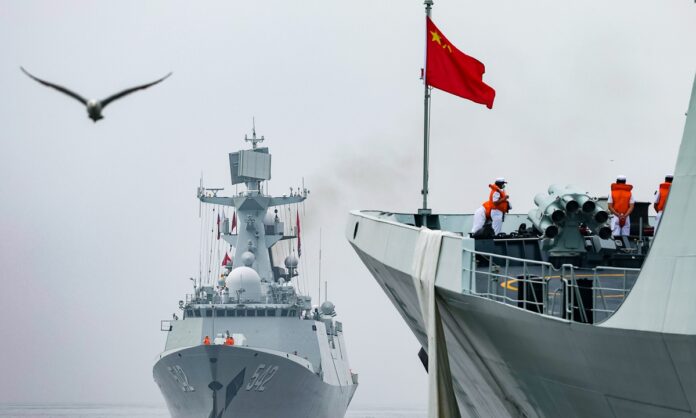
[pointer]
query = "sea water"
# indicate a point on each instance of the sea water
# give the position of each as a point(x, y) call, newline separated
point(153, 411)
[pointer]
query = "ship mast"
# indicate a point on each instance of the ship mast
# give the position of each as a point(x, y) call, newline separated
point(254, 236)
point(254, 140)
point(424, 211)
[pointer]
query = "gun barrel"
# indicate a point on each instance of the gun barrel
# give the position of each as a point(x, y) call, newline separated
point(548, 228)
point(604, 232)
point(544, 223)
point(571, 205)
point(557, 215)
point(600, 216)
point(552, 231)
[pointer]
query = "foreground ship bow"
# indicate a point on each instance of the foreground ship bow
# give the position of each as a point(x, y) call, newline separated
point(558, 320)
point(249, 345)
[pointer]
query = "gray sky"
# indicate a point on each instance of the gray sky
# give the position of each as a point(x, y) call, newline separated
point(99, 223)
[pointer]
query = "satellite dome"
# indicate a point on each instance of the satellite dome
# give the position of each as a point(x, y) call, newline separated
point(328, 308)
point(246, 283)
point(248, 258)
point(269, 218)
point(291, 261)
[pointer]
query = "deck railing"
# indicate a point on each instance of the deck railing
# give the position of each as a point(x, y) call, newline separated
point(588, 295)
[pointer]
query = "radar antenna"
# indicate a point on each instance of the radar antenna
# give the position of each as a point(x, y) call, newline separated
point(254, 140)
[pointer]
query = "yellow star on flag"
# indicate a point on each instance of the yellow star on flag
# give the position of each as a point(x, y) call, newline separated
point(436, 37)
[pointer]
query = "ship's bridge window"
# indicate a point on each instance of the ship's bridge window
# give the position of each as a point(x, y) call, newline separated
point(208, 313)
point(219, 312)
point(197, 313)
point(271, 312)
point(293, 313)
point(241, 312)
point(230, 312)
point(261, 312)
point(189, 313)
point(251, 312)
point(283, 312)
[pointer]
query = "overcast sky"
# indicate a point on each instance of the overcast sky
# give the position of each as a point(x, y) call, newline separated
point(99, 222)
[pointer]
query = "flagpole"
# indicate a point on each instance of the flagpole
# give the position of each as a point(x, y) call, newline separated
point(424, 211)
point(319, 295)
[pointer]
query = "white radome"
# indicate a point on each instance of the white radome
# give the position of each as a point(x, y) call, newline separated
point(248, 258)
point(247, 282)
point(291, 261)
point(328, 308)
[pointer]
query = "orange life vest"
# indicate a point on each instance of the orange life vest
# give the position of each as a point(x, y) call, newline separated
point(621, 196)
point(229, 341)
point(664, 192)
point(206, 340)
point(489, 205)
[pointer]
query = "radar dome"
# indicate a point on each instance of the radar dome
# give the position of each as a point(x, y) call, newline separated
point(246, 283)
point(248, 258)
point(291, 261)
point(328, 308)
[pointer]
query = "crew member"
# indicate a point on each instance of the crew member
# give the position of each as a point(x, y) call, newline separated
point(206, 340)
point(621, 205)
point(661, 198)
point(493, 209)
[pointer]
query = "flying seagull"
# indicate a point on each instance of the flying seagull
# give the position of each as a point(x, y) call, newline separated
point(95, 107)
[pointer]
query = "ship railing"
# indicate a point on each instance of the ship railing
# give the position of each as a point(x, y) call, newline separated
point(579, 294)
point(599, 293)
point(503, 277)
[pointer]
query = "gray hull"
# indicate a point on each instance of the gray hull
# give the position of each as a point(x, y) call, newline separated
point(507, 361)
point(510, 362)
point(226, 381)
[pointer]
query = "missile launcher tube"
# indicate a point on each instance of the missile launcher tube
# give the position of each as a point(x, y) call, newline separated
point(568, 206)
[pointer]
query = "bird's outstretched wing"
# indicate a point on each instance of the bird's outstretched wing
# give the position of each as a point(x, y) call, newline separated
point(130, 90)
point(57, 87)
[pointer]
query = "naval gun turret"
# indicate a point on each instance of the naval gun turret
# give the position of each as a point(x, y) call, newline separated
point(564, 216)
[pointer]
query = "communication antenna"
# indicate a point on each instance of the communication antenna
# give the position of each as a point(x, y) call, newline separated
point(200, 239)
point(319, 298)
point(200, 192)
point(254, 140)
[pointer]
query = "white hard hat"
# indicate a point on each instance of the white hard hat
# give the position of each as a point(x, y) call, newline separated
point(621, 177)
point(500, 180)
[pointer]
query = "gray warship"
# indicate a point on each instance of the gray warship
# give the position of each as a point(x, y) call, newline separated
point(249, 343)
point(554, 317)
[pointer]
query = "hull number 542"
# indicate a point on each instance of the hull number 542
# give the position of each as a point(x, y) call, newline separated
point(261, 377)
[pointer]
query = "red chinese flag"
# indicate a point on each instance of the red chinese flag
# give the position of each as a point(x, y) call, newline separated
point(451, 70)
point(227, 259)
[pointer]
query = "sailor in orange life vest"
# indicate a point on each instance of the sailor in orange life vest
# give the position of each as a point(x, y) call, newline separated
point(661, 198)
point(621, 205)
point(493, 209)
